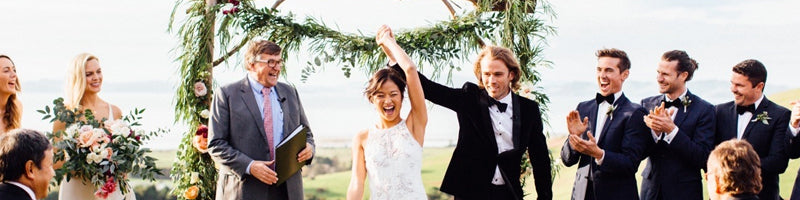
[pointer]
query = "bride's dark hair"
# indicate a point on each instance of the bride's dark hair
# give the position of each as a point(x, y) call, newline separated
point(380, 77)
point(13, 109)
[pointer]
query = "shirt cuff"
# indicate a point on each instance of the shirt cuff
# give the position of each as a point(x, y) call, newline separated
point(248, 167)
point(794, 130)
point(655, 137)
point(671, 135)
point(600, 162)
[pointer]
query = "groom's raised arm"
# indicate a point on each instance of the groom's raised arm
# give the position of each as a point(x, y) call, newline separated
point(219, 130)
point(439, 94)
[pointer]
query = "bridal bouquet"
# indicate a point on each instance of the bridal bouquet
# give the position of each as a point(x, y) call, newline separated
point(101, 152)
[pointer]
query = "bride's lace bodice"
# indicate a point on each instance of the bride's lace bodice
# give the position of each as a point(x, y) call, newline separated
point(394, 162)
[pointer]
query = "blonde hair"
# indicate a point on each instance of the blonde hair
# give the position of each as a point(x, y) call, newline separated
point(502, 54)
point(13, 110)
point(76, 80)
point(740, 167)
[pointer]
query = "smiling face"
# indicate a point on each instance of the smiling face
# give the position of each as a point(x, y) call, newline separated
point(43, 174)
point(94, 76)
point(609, 77)
point(744, 93)
point(8, 77)
point(388, 101)
point(670, 80)
point(495, 77)
point(266, 68)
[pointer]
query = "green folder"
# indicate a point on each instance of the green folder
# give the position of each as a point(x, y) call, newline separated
point(286, 163)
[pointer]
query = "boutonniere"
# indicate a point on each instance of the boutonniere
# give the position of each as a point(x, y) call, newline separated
point(686, 102)
point(763, 117)
point(610, 112)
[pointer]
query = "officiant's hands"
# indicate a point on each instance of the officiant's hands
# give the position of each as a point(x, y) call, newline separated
point(261, 170)
point(305, 154)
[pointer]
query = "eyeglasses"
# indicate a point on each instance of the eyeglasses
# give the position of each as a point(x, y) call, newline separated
point(270, 62)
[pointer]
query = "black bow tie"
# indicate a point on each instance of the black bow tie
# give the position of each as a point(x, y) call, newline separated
point(677, 103)
point(741, 109)
point(501, 106)
point(600, 98)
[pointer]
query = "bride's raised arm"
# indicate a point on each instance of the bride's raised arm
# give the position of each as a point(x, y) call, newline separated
point(418, 116)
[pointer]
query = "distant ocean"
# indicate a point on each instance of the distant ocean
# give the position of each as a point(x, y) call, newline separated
point(336, 114)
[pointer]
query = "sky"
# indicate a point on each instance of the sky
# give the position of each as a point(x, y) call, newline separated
point(138, 58)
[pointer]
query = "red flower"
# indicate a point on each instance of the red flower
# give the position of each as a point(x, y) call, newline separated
point(202, 130)
point(109, 187)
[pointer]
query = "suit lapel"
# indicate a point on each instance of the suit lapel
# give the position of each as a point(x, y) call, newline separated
point(249, 100)
point(282, 92)
point(750, 124)
point(683, 111)
point(516, 118)
point(592, 117)
point(618, 104)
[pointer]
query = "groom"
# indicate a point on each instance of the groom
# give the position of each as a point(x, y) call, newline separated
point(497, 126)
point(753, 117)
point(248, 118)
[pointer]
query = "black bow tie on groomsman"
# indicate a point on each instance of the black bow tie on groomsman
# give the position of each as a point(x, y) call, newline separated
point(741, 109)
point(500, 106)
point(676, 103)
point(600, 98)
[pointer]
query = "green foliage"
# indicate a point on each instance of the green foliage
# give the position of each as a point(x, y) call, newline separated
point(127, 157)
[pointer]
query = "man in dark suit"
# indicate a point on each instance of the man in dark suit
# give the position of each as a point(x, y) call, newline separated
point(733, 172)
point(794, 143)
point(249, 117)
point(496, 127)
point(607, 165)
point(683, 132)
point(26, 165)
point(753, 117)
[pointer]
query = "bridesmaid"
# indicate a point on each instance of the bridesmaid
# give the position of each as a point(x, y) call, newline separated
point(10, 106)
point(84, 81)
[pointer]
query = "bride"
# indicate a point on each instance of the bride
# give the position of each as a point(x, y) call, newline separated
point(390, 152)
point(84, 80)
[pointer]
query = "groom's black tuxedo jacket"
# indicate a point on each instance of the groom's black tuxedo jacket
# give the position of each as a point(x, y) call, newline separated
point(11, 191)
point(624, 138)
point(769, 140)
point(472, 167)
point(673, 170)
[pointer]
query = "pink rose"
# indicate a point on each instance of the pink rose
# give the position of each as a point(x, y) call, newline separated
point(86, 138)
point(110, 152)
point(200, 89)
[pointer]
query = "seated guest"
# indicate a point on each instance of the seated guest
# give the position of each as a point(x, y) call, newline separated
point(26, 165)
point(734, 171)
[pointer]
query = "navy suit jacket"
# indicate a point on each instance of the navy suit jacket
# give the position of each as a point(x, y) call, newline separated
point(475, 158)
point(11, 191)
point(769, 140)
point(624, 138)
point(673, 170)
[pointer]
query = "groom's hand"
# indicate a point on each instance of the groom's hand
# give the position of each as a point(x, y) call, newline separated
point(261, 170)
point(305, 154)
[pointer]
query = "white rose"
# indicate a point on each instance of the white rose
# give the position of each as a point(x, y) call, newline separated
point(200, 89)
point(98, 133)
point(86, 128)
point(72, 130)
point(92, 157)
point(205, 113)
point(195, 177)
point(103, 153)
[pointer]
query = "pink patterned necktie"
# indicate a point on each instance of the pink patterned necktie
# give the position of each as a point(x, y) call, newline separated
point(268, 124)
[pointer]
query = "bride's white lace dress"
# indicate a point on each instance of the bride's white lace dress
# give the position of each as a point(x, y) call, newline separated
point(394, 163)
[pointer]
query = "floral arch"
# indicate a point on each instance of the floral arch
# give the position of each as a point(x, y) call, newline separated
point(225, 26)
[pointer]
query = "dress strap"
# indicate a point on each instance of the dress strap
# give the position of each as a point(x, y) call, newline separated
point(110, 112)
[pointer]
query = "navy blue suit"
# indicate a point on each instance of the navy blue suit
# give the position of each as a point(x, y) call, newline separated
point(769, 140)
point(624, 138)
point(673, 170)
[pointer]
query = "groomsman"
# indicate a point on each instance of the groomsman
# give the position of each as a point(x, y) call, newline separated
point(754, 118)
point(682, 127)
point(794, 143)
point(607, 165)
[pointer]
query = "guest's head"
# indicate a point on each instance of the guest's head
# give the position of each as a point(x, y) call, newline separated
point(263, 62)
point(26, 157)
point(674, 70)
point(385, 91)
point(747, 82)
point(612, 70)
point(8, 94)
point(84, 77)
point(733, 169)
point(497, 70)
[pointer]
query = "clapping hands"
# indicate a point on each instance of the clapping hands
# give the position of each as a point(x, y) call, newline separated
point(576, 129)
point(660, 120)
point(794, 120)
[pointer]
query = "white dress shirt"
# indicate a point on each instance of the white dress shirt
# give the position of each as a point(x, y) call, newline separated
point(503, 126)
point(602, 109)
point(24, 187)
point(744, 119)
point(669, 136)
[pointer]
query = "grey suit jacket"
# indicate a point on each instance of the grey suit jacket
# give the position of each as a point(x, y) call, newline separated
point(237, 137)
